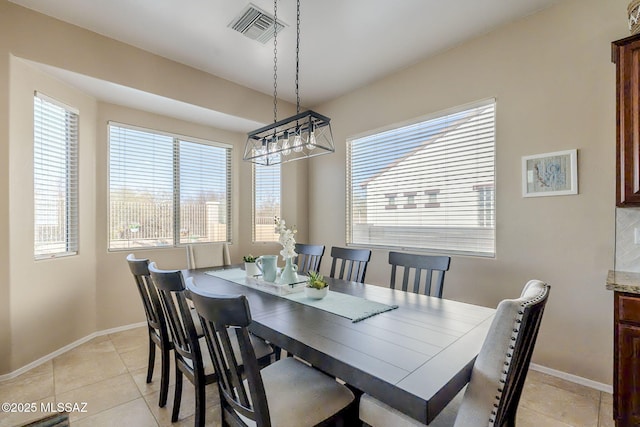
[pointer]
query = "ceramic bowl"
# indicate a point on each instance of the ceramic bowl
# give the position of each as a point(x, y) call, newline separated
point(314, 293)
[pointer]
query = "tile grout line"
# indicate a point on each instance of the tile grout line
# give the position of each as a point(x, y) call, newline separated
point(130, 374)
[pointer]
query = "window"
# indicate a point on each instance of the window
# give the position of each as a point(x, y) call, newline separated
point(485, 203)
point(55, 178)
point(391, 201)
point(444, 166)
point(266, 202)
point(166, 190)
point(411, 200)
point(432, 199)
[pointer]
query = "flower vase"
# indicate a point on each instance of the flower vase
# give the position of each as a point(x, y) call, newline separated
point(289, 274)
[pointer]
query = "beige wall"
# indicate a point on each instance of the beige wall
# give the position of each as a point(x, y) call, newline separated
point(5, 277)
point(52, 302)
point(555, 88)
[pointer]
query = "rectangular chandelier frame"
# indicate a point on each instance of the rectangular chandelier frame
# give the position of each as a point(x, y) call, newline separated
point(304, 135)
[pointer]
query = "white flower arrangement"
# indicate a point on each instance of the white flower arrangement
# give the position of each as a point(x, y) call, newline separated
point(286, 239)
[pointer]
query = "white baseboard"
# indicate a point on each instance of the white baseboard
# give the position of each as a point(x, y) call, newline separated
point(66, 348)
point(563, 375)
point(573, 378)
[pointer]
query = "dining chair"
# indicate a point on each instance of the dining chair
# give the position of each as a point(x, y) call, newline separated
point(309, 257)
point(498, 374)
point(428, 266)
point(203, 255)
point(285, 393)
point(352, 263)
point(156, 324)
point(190, 361)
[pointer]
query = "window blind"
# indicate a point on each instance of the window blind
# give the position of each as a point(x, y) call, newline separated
point(266, 202)
point(166, 190)
point(55, 178)
point(205, 189)
point(427, 185)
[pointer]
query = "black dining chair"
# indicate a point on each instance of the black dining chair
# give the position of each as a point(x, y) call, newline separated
point(351, 263)
point(156, 324)
point(286, 393)
point(309, 257)
point(498, 373)
point(430, 267)
point(191, 358)
point(188, 355)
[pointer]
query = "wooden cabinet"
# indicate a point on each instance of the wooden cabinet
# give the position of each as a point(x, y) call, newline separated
point(626, 375)
point(626, 56)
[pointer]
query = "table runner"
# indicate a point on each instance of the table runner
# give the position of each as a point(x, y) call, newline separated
point(353, 308)
point(239, 276)
point(236, 275)
point(345, 305)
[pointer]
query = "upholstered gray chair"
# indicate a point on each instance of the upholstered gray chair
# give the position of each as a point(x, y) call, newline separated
point(285, 393)
point(203, 255)
point(497, 378)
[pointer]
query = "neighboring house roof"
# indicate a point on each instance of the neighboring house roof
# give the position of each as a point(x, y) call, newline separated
point(436, 136)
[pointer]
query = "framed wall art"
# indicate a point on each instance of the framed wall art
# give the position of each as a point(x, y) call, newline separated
point(550, 174)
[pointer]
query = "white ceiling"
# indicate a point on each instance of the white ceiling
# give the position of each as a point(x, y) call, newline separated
point(345, 44)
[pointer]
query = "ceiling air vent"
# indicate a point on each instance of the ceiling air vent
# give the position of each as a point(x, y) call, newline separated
point(256, 24)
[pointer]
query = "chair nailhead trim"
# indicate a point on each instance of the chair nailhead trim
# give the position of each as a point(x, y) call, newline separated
point(514, 338)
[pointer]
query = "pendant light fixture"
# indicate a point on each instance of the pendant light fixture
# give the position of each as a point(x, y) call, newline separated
point(303, 135)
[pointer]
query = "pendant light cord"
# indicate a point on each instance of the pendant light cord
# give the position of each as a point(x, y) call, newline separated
point(298, 57)
point(275, 61)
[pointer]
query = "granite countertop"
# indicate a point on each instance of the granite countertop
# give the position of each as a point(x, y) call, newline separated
point(623, 281)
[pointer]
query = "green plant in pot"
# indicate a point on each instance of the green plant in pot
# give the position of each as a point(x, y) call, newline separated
point(317, 287)
point(250, 266)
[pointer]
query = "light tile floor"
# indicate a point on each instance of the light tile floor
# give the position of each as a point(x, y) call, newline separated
point(108, 374)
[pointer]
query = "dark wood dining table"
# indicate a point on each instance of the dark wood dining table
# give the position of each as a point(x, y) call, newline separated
point(415, 358)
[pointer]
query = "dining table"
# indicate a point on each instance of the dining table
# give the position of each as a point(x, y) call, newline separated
point(415, 356)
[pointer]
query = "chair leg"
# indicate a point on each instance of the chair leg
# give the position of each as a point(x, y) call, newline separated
point(277, 352)
point(510, 419)
point(152, 359)
point(177, 396)
point(200, 402)
point(164, 379)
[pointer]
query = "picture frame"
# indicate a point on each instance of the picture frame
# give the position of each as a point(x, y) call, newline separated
point(550, 174)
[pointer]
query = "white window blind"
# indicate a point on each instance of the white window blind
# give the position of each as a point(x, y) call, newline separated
point(166, 190)
point(266, 202)
point(205, 179)
point(427, 185)
point(55, 178)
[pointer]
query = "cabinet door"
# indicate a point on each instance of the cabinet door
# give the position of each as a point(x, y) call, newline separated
point(627, 399)
point(626, 55)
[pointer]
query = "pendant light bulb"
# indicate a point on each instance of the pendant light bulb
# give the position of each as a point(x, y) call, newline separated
point(286, 148)
point(297, 143)
point(273, 144)
point(312, 138)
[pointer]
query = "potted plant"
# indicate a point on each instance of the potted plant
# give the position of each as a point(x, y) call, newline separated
point(317, 287)
point(250, 266)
